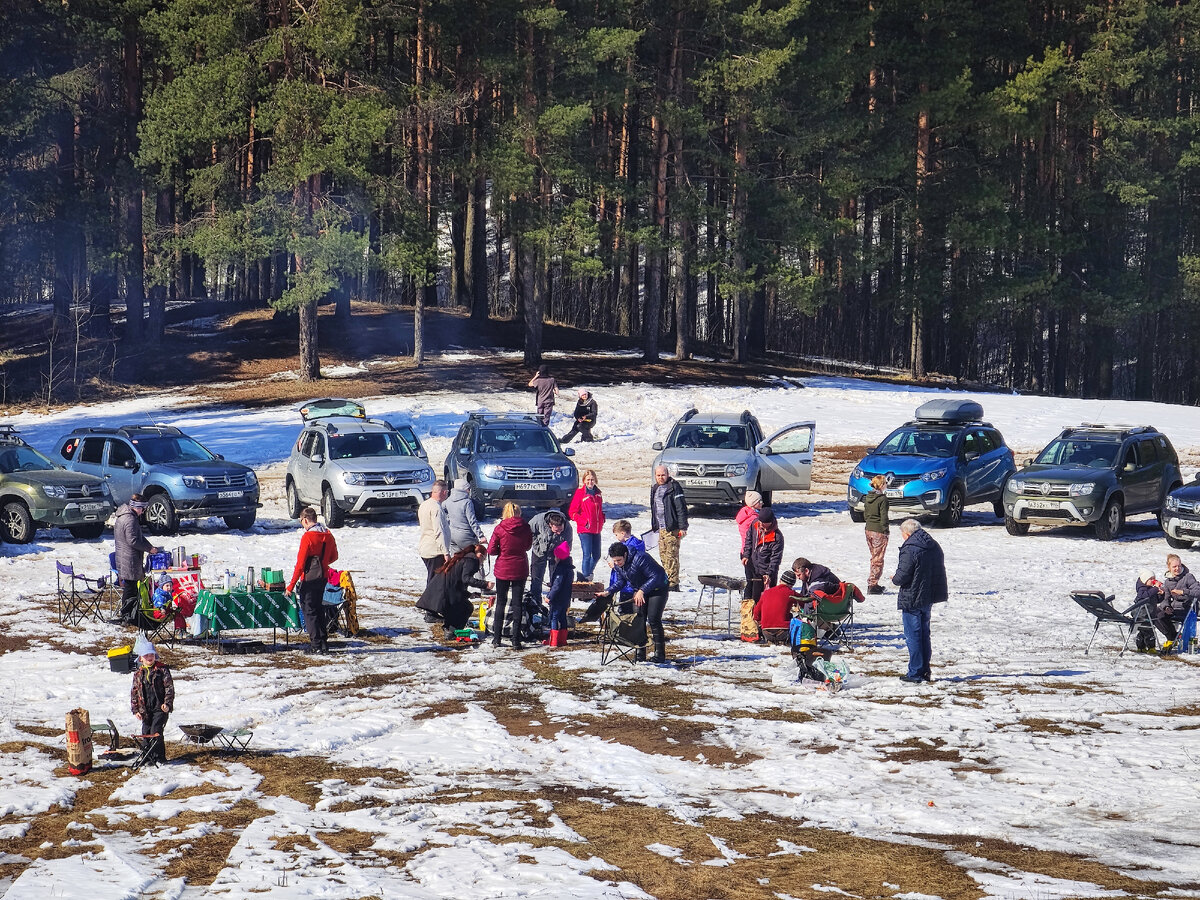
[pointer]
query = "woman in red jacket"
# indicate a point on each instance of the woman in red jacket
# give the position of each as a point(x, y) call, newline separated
point(587, 512)
point(510, 544)
point(318, 551)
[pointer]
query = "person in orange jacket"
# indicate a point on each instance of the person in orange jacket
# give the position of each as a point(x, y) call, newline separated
point(318, 551)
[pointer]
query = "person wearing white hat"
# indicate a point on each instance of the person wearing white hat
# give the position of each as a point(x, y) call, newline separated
point(1148, 592)
point(152, 696)
point(585, 418)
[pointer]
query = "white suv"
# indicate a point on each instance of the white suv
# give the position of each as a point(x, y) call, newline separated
point(354, 466)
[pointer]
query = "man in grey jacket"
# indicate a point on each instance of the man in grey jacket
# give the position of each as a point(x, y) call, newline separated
point(549, 529)
point(460, 511)
point(132, 547)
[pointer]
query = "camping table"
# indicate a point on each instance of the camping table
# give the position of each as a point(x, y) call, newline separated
point(243, 610)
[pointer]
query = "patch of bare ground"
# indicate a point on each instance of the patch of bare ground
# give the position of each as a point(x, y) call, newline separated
point(200, 859)
point(448, 708)
point(565, 680)
point(796, 716)
point(1054, 864)
point(919, 750)
point(358, 846)
point(1054, 726)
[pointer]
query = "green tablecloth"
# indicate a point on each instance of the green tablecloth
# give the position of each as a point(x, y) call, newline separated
point(241, 610)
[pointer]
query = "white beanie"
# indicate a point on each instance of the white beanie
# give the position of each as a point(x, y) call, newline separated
point(752, 497)
point(143, 647)
point(1146, 576)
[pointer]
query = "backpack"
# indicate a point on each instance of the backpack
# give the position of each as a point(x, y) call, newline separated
point(314, 570)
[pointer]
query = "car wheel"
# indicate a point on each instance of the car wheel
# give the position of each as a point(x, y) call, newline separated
point(160, 515)
point(88, 532)
point(857, 516)
point(241, 523)
point(998, 508)
point(1177, 543)
point(1108, 526)
point(17, 523)
point(952, 514)
point(335, 516)
point(294, 505)
point(1015, 528)
point(766, 495)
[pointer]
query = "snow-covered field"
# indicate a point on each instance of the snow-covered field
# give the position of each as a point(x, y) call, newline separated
point(444, 764)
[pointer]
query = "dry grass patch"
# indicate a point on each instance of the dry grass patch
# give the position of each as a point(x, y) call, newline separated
point(918, 750)
point(680, 738)
point(1054, 726)
point(201, 859)
point(775, 714)
point(448, 708)
point(565, 680)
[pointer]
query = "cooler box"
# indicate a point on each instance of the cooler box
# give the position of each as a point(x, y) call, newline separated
point(120, 659)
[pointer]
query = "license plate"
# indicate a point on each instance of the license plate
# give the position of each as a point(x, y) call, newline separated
point(390, 495)
point(91, 507)
point(700, 482)
point(529, 486)
point(894, 493)
point(1189, 527)
point(1042, 504)
point(228, 495)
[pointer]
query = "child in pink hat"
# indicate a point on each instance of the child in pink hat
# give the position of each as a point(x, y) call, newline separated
point(558, 598)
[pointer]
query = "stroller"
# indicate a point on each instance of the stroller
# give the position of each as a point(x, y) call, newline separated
point(814, 656)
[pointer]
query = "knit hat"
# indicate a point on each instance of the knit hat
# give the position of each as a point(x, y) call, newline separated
point(461, 484)
point(143, 647)
point(138, 505)
point(753, 498)
point(562, 551)
point(583, 394)
point(788, 577)
point(1145, 576)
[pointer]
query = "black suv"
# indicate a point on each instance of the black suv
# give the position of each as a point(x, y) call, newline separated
point(1093, 475)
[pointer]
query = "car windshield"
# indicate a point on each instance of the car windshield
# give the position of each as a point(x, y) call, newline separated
point(357, 446)
point(711, 437)
point(919, 442)
point(1079, 452)
point(531, 441)
point(23, 459)
point(171, 449)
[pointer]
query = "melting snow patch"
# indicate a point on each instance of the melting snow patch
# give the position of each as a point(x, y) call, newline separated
point(728, 854)
point(99, 877)
point(830, 889)
point(787, 848)
point(669, 852)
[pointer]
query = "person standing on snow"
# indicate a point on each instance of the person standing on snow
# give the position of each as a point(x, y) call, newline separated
point(875, 514)
point(131, 547)
point(433, 536)
point(549, 529)
point(511, 540)
point(546, 389)
point(585, 418)
point(746, 516)
point(762, 554)
point(668, 516)
point(152, 696)
point(318, 551)
point(587, 512)
point(460, 516)
point(921, 577)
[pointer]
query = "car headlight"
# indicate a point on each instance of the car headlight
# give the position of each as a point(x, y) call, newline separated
point(55, 491)
point(1017, 487)
point(354, 478)
point(193, 481)
point(735, 471)
point(251, 479)
point(563, 472)
point(935, 475)
point(1172, 502)
point(672, 469)
point(1083, 489)
point(427, 475)
point(858, 473)
point(491, 470)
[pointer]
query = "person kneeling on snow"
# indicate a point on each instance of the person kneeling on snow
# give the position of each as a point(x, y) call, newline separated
point(773, 612)
point(152, 696)
point(447, 596)
point(558, 598)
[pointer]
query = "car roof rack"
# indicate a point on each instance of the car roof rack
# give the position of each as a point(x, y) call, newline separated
point(10, 435)
point(1097, 426)
point(330, 407)
point(949, 411)
point(484, 416)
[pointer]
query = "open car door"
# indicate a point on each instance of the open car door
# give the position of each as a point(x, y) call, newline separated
point(410, 438)
point(785, 458)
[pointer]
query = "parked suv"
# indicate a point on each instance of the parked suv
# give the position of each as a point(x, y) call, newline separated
point(510, 456)
point(1181, 515)
point(351, 465)
point(945, 459)
point(1093, 475)
point(179, 477)
point(36, 492)
point(717, 457)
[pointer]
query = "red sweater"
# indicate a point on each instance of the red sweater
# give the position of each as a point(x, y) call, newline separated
point(316, 541)
point(773, 608)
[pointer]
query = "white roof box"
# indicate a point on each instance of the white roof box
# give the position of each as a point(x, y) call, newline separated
point(950, 410)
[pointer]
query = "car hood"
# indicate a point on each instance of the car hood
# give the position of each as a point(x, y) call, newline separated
point(517, 461)
point(1187, 492)
point(1061, 474)
point(380, 464)
point(58, 476)
point(207, 468)
point(906, 465)
point(708, 457)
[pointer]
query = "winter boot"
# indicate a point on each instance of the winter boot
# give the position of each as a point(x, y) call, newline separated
point(558, 637)
point(660, 652)
point(639, 654)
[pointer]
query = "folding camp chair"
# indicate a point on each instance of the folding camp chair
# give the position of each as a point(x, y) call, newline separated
point(1100, 606)
point(835, 613)
point(145, 744)
point(622, 635)
point(158, 624)
point(78, 596)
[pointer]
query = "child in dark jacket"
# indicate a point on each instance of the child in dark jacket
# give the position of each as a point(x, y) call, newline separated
point(1148, 592)
point(152, 695)
point(558, 598)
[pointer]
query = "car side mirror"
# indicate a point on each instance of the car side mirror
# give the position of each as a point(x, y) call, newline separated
point(657, 445)
point(766, 450)
point(970, 455)
point(318, 459)
point(131, 465)
point(1028, 461)
point(220, 456)
point(422, 454)
point(568, 451)
point(464, 451)
point(1131, 466)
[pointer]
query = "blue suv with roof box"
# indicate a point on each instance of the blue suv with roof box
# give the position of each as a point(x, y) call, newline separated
point(945, 459)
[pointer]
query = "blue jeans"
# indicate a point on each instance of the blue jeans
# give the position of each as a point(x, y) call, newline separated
point(558, 613)
point(591, 554)
point(916, 635)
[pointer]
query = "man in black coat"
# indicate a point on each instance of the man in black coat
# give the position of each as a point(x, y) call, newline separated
point(585, 418)
point(668, 516)
point(921, 577)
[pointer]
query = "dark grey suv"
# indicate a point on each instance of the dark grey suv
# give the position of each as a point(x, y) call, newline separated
point(1093, 475)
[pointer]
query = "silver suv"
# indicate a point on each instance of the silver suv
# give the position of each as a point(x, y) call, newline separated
point(717, 457)
point(354, 466)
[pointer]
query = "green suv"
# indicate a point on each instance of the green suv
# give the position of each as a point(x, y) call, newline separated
point(34, 493)
point(1093, 475)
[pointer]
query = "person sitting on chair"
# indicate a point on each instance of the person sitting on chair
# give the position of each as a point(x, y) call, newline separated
point(814, 577)
point(1148, 593)
point(1180, 592)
